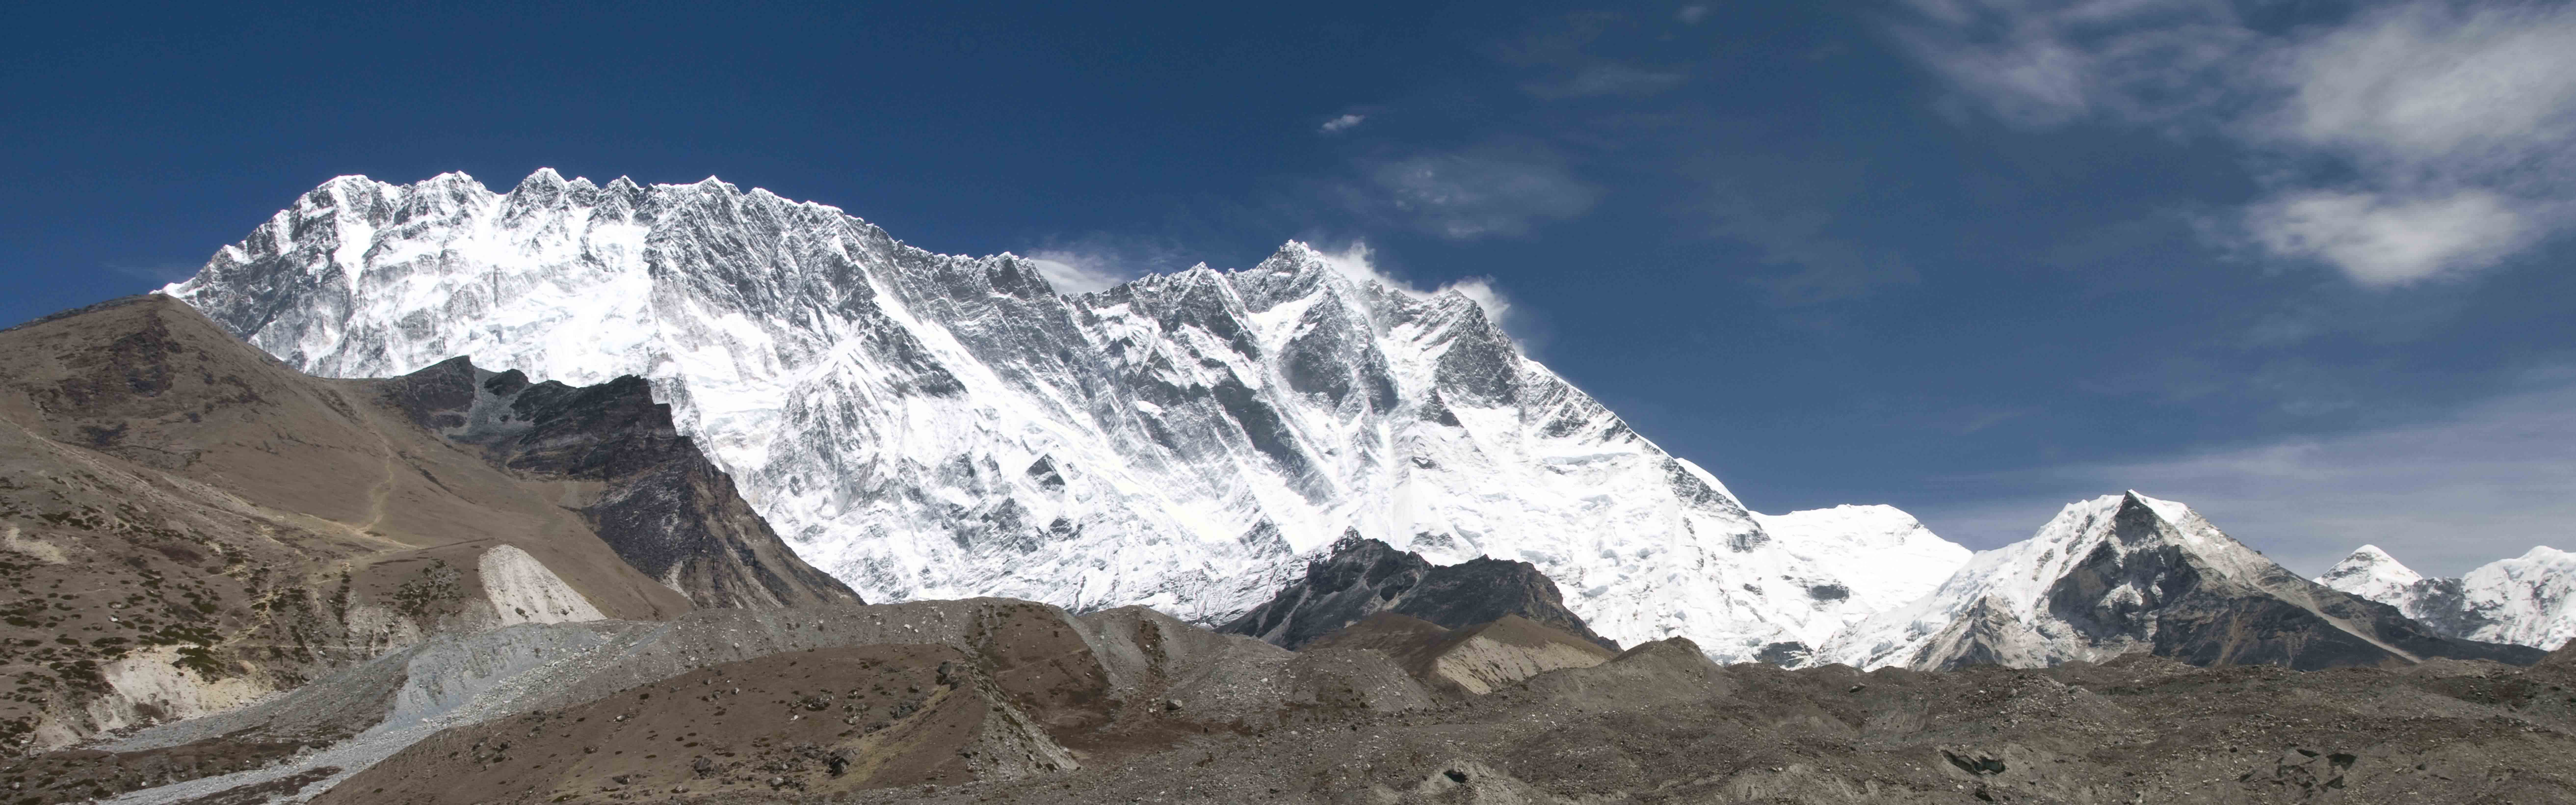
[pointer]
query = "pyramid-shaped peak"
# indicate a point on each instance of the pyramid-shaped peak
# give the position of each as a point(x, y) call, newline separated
point(2170, 511)
point(2371, 573)
point(542, 176)
point(1294, 257)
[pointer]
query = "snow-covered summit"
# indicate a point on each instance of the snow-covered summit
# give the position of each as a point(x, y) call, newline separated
point(2123, 573)
point(2528, 600)
point(927, 426)
point(2370, 573)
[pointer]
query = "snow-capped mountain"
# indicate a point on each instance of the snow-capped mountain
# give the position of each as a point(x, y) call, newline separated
point(2528, 600)
point(2125, 573)
point(925, 426)
point(2371, 573)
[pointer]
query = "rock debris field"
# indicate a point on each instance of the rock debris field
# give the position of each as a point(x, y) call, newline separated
point(1003, 701)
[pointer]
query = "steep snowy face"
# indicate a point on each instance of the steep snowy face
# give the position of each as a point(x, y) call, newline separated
point(2371, 573)
point(2529, 600)
point(930, 426)
point(1889, 557)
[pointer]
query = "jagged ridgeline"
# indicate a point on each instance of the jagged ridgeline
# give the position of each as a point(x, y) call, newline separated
point(190, 524)
point(930, 426)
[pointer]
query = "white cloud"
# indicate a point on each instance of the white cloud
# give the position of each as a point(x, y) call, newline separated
point(1358, 263)
point(2429, 88)
point(1074, 273)
point(2045, 62)
point(1493, 189)
point(2379, 240)
point(2414, 140)
point(2444, 496)
point(1691, 14)
point(1343, 123)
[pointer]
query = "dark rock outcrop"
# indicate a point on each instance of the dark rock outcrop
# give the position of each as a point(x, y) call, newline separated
point(1365, 576)
point(662, 505)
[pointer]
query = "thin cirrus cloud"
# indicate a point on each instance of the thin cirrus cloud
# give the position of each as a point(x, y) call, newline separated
point(1098, 262)
point(2411, 141)
point(1078, 272)
point(1494, 189)
point(1343, 123)
point(1601, 79)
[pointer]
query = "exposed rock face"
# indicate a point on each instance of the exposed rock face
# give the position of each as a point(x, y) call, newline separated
point(644, 488)
point(2129, 573)
point(1364, 576)
point(931, 426)
point(2528, 600)
point(189, 524)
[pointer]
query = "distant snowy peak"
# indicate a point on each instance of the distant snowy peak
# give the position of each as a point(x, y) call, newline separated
point(2371, 573)
point(2125, 573)
point(936, 426)
point(2528, 600)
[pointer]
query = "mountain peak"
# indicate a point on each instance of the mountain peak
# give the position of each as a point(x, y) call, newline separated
point(1203, 433)
point(543, 176)
point(2370, 573)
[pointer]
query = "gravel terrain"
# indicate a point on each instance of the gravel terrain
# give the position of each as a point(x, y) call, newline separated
point(1000, 701)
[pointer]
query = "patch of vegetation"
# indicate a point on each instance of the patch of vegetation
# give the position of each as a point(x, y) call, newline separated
point(430, 593)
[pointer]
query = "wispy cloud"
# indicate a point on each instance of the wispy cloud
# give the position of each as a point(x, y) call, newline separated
point(1820, 268)
point(1343, 123)
point(1098, 262)
point(1692, 14)
point(1359, 263)
point(158, 274)
point(1074, 273)
point(1562, 56)
point(2411, 141)
point(1499, 188)
point(1604, 79)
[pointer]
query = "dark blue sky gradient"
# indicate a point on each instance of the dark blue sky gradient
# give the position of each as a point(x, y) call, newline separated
point(1771, 238)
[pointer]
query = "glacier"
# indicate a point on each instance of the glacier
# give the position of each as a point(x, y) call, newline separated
point(2528, 600)
point(923, 425)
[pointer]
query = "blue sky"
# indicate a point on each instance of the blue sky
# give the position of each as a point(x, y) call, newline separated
point(2303, 265)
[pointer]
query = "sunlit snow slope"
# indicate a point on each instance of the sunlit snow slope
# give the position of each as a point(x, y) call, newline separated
point(928, 426)
point(2528, 600)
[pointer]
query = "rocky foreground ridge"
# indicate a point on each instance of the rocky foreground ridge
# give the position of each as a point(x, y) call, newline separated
point(190, 525)
point(994, 700)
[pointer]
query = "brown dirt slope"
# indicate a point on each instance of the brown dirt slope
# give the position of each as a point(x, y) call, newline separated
point(813, 722)
point(1475, 660)
point(189, 524)
point(995, 690)
point(1661, 724)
